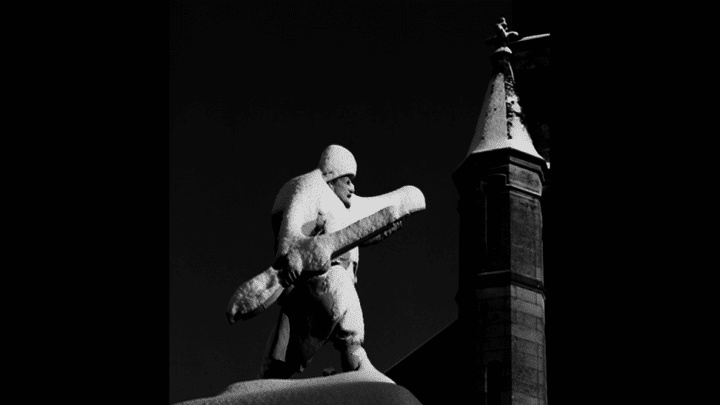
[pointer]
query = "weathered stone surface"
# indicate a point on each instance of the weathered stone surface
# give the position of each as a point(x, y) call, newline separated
point(525, 319)
point(531, 390)
point(525, 180)
point(523, 399)
point(525, 375)
point(525, 294)
point(525, 333)
point(531, 309)
point(524, 346)
point(531, 361)
point(526, 236)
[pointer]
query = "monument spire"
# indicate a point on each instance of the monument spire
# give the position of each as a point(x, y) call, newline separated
point(500, 124)
point(501, 293)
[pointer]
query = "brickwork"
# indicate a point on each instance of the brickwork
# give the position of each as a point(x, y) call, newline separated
point(528, 349)
point(524, 294)
point(524, 308)
point(526, 236)
point(521, 399)
point(510, 332)
point(524, 346)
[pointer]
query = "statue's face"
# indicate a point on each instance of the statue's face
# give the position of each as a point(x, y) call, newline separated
point(343, 188)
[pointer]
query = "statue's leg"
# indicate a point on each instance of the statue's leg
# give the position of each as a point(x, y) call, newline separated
point(287, 351)
point(349, 333)
point(274, 365)
point(304, 326)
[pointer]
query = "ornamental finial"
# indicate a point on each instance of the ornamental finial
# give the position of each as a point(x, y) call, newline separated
point(502, 37)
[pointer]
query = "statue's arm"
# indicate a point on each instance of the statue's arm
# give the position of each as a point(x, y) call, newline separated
point(298, 205)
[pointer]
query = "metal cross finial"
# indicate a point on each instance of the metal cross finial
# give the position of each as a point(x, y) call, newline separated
point(502, 36)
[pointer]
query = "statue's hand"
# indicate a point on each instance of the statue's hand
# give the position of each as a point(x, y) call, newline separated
point(319, 225)
point(311, 255)
point(286, 273)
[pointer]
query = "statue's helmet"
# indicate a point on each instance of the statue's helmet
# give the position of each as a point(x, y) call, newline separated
point(337, 161)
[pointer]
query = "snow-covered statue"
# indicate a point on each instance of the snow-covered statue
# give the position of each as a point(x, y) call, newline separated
point(319, 223)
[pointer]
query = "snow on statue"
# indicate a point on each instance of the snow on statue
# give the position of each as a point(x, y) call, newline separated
point(319, 223)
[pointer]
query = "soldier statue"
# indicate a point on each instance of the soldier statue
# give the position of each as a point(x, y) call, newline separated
point(318, 305)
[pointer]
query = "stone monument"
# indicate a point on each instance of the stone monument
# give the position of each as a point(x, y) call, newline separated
point(319, 224)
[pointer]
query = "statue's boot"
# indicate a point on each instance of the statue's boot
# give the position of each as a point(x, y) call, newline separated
point(353, 358)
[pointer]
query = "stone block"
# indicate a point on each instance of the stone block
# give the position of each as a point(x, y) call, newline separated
point(526, 295)
point(527, 389)
point(526, 360)
point(524, 346)
point(525, 375)
point(542, 392)
point(532, 309)
point(525, 179)
point(523, 263)
point(527, 320)
point(523, 332)
point(523, 399)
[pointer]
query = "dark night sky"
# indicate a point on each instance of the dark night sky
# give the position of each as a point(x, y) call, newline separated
point(256, 92)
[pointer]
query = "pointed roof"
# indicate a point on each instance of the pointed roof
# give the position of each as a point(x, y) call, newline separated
point(500, 124)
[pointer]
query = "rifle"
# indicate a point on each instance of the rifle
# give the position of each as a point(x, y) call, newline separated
point(257, 294)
